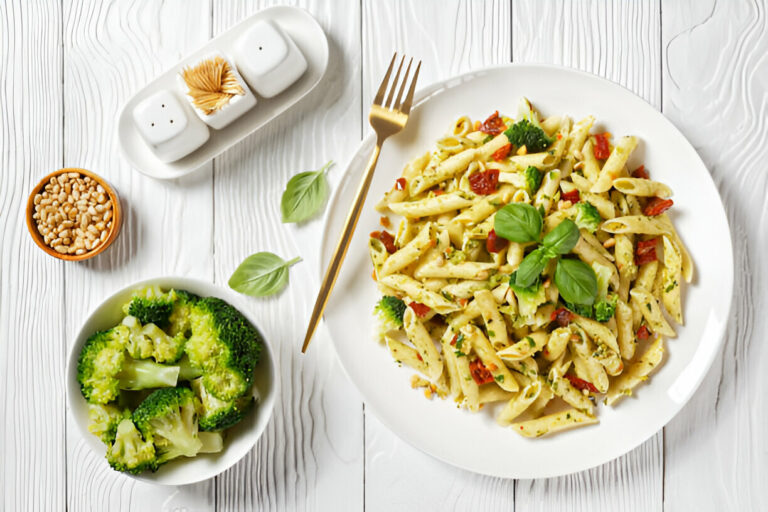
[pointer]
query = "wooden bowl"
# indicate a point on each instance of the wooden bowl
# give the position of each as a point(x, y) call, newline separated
point(117, 216)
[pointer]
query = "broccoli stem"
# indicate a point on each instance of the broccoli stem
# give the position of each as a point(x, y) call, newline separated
point(187, 371)
point(143, 374)
point(213, 442)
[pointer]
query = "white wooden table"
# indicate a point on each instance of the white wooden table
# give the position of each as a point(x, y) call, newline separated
point(67, 66)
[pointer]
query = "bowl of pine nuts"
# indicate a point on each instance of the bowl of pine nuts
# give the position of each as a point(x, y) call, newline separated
point(73, 214)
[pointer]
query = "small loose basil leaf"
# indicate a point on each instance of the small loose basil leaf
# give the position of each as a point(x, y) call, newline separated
point(304, 195)
point(576, 281)
point(531, 267)
point(563, 238)
point(518, 222)
point(261, 274)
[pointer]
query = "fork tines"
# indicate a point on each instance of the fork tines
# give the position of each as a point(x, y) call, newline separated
point(404, 106)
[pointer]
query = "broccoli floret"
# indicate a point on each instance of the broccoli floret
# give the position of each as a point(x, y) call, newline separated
point(533, 179)
point(165, 348)
point(225, 346)
point(605, 305)
point(528, 299)
point(168, 418)
point(603, 275)
point(525, 133)
point(104, 421)
point(390, 311)
point(604, 309)
point(179, 321)
point(130, 453)
point(212, 442)
point(580, 309)
point(138, 345)
point(151, 341)
point(103, 368)
point(587, 217)
point(150, 306)
point(169, 311)
point(215, 414)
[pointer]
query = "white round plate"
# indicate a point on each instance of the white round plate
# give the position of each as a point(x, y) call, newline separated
point(239, 439)
point(474, 441)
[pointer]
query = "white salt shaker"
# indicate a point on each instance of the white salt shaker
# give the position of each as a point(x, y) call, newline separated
point(269, 59)
point(233, 105)
point(168, 126)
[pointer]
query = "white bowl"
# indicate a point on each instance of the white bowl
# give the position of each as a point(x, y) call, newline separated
point(239, 439)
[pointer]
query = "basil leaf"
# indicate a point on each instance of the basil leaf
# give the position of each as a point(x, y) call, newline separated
point(531, 267)
point(576, 281)
point(518, 222)
point(261, 274)
point(563, 238)
point(304, 195)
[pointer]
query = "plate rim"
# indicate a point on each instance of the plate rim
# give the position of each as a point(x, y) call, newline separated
point(422, 96)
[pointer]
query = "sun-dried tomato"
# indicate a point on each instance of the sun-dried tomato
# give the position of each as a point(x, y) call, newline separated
point(485, 182)
point(438, 191)
point(494, 125)
point(400, 183)
point(601, 149)
point(562, 316)
point(502, 152)
point(495, 243)
point(420, 309)
point(643, 333)
point(657, 206)
point(646, 251)
point(480, 373)
point(580, 384)
point(640, 172)
point(572, 196)
point(387, 239)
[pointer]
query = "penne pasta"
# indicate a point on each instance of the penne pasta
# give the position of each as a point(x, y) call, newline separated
point(486, 320)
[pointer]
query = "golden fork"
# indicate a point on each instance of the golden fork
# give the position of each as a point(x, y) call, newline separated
point(386, 118)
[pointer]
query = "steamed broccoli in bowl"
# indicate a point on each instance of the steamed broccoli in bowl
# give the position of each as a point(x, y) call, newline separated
point(169, 379)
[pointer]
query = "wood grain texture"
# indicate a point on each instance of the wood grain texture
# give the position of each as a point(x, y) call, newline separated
point(310, 457)
point(451, 37)
point(110, 51)
point(716, 92)
point(32, 345)
point(618, 41)
point(83, 59)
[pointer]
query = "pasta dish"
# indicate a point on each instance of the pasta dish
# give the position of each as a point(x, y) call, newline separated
point(531, 270)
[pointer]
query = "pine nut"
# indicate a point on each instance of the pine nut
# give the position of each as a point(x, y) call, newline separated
point(73, 213)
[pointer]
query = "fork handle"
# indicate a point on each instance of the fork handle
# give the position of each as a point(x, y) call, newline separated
point(341, 247)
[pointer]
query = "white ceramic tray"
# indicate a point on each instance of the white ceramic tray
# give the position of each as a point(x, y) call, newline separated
point(308, 36)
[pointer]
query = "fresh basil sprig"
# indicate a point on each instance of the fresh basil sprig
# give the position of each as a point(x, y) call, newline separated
point(304, 195)
point(563, 238)
point(518, 222)
point(261, 274)
point(576, 281)
point(522, 223)
point(531, 267)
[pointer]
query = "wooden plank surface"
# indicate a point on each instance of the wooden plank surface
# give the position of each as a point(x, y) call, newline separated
point(110, 51)
point(716, 92)
point(703, 62)
point(32, 343)
point(311, 455)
